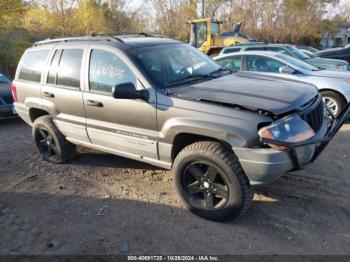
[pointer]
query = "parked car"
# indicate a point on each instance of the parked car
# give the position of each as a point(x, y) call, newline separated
point(334, 86)
point(336, 53)
point(288, 50)
point(6, 101)
point(333, 64)
point(308, 48)
point(164, 102)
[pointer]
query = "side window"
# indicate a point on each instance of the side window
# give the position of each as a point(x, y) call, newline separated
point(263, 64)
point(69, 68)
point(107, 70)
point(51, 78)
point(233, 63)
point(32, 65)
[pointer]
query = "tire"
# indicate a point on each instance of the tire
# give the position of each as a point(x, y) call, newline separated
point(334, 100)
point(50, 142)
point(229, 187)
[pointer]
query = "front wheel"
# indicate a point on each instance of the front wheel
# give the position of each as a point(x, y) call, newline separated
point(334, 102)
point(211, 182)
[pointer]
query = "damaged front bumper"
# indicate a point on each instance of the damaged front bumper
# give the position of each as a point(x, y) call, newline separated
point(264, 165)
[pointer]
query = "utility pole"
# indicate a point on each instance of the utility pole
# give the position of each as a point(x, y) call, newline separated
point(202, 9)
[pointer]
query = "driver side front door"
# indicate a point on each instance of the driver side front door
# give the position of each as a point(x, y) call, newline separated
point(127, 127)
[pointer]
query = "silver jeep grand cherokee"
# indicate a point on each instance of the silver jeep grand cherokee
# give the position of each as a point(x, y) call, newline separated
point(163, 102)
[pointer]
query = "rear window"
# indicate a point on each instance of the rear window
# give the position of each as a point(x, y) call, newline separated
point(4, 80)
point(32, 65)
point(231, 50)
point(256, 48)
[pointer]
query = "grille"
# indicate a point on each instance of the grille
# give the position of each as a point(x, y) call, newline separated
point(313, 114)
point(8, 99)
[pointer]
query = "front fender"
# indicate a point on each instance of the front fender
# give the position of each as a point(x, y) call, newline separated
point(236, 134)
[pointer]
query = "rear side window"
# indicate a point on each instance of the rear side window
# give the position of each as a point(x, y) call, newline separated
point(32, 65)
point(51, 78)
point(107, 70)
point(68, 73)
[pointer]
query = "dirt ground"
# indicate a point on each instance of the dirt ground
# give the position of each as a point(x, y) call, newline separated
point(105, 204)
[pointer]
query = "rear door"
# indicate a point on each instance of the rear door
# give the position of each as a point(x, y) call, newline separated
point(62, 93)
point(124, 126)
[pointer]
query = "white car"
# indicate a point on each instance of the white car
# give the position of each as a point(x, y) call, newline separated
point(333, 85)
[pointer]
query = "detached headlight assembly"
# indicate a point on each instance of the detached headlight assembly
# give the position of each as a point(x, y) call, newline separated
point(287, 129)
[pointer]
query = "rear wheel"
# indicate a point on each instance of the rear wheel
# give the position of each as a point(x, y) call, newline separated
point(334, 101)
point(50, 142)
point(211, 182)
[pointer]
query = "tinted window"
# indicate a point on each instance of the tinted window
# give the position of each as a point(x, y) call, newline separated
point(32, 65)
point(233, 63)
point(231, 50)
point(69, 68)
point(276, 49)
point(51, 79)
point(263, 64)
point(256, 48)
point(107, 70)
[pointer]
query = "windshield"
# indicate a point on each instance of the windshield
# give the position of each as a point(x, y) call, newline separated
point(297, 63)
point(295, 52)
point(175, 64)
point(3, 79)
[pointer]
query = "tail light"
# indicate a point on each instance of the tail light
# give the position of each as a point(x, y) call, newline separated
point(14, 92)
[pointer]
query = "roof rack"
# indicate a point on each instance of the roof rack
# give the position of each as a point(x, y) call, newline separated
point(109, 37)
point(78, 39)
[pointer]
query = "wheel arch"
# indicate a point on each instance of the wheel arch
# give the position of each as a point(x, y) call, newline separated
point(182, 140)
point(336, 92)
point(35, 113)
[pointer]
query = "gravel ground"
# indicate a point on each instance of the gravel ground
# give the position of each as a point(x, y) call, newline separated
point(104, 204)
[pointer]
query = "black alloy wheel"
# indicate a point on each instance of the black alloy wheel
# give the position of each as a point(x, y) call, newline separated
point(205, 186)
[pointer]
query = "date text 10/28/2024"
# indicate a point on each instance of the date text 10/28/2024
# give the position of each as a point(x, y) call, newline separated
point(173, 258)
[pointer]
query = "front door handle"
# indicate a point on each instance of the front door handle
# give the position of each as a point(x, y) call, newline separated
point(94, 103)
point(48, 94)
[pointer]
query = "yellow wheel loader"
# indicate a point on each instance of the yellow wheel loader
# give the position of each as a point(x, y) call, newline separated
point(206, 36)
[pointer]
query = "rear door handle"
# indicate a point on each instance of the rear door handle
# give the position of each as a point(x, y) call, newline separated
point(94, 103)
point(48, 94)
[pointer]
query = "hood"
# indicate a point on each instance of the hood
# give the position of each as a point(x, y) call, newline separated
point(330, 51)
point(331, 74)
point(251, 90)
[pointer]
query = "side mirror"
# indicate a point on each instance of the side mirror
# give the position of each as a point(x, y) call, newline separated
point(129, 91)
point(286, 70)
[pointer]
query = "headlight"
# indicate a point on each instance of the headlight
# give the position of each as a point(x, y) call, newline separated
point(287, 129)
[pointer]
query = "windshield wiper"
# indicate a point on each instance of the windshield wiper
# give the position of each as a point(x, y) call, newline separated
point(210, 75)
point(222, 70)
point(189, 78)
